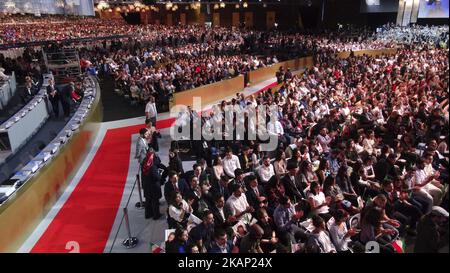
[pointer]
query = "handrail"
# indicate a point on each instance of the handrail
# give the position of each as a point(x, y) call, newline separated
point(30, 105)
point(52, 149)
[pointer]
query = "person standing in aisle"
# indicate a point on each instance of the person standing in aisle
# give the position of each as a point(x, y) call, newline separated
point(54, 97)
point(151, 184)
point(150, 110)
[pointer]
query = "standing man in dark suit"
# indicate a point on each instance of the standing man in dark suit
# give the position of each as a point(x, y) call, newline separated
point(53, 96)
point(292, 183)
point(66, 98)
point(28, 92)
point(175, 184)
point(151, 184)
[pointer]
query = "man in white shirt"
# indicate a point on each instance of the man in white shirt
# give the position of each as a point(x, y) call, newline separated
point(150, 110)
point(230, 163)
point(238, 205)
point(423, 182)
point(266, 171)
point(276, 129)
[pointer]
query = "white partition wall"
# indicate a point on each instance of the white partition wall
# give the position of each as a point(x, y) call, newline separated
point(21, 131)
point(415, 11)
point(27, 121)
point(407, 12)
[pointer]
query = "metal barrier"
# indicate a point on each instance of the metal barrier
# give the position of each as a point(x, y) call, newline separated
point(140, 204)
point(130, 241)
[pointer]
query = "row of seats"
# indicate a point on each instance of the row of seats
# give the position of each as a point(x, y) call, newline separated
point(45, 157)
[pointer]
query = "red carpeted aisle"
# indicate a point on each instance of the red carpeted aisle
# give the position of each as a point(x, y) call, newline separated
point(88, 214)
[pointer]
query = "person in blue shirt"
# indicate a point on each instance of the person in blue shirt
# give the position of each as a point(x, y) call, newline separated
point(92, 71)
point(180, 243)
point(221, 243)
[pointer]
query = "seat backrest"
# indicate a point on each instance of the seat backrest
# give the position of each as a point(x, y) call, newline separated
point(354, 221)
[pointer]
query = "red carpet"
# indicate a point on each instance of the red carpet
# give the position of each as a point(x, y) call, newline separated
point(89, 213)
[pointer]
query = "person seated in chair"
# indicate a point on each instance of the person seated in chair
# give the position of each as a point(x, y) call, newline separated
point(238, 180)
point(286, 218)
point(221, 243)
point(251, 242)
point(175, 184)
point(398, 207)
point(340, 235)
point(221, 187)
point(292, 183)
point(372, 229)
point(254, 192)
point(238, 205)
point(320, 237)
point(202, 176)
point(179, 243)
point(432, 231)
point(203, 234)
point(178, 211)
point(269, 240)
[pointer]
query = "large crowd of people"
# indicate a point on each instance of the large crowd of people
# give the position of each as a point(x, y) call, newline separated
point(417, 34)
point(146, 68)
point(142, 63)
point(59, 28)
point(362, 142)
point(362, 156)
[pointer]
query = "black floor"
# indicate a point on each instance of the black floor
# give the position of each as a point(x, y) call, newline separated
point(44, 136)
point(14, 105)
point(116, 107)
